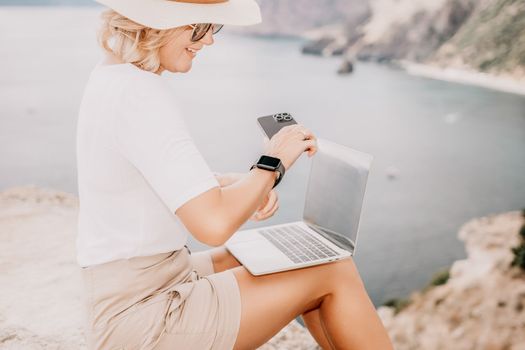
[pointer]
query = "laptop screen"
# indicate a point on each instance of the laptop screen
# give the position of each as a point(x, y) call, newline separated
point(335, 193)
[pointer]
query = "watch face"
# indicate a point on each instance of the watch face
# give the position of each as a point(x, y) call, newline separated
point(270, 161)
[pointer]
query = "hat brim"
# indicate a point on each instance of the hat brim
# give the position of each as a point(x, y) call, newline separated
point(166, 14)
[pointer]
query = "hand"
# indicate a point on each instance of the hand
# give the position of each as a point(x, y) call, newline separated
point(268, 207)
point(289, 143)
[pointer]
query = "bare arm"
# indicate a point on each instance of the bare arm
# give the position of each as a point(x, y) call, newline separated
point(226, 179)
point(226, 208)
point(215, 215)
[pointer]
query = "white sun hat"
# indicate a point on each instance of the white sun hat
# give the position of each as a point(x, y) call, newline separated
point(166, 14)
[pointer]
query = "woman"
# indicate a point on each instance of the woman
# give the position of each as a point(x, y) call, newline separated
point(143, 186)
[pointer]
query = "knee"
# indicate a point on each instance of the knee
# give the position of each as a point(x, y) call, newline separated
point(344, 272)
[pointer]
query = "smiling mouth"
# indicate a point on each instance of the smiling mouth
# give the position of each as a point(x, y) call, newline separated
point(191, 51)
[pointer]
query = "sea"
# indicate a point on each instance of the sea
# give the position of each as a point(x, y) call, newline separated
point(443, 153)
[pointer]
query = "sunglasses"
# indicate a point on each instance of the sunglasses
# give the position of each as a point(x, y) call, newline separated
point(200, 30)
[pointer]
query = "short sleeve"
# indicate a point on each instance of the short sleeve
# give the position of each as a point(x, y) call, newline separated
point(150, 132)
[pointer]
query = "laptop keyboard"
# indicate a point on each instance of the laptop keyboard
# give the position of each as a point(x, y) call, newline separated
point(297, 244)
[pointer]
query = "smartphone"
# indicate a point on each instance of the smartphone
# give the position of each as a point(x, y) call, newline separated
point(271, 124)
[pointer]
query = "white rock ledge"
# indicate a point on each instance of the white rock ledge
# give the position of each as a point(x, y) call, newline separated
point(482, 306)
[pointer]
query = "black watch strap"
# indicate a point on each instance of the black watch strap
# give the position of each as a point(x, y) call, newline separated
point(271, 164)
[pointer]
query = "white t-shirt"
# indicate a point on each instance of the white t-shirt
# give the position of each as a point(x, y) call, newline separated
point(136, 165)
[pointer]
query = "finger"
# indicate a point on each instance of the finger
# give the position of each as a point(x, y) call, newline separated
point(254, 217)
point(296, 127)
point(264, 202)
point(274, 208)
point(313, 150)
point(262, 213)
point(311, 147)
point(269, 213)
point(257, 214)
point(292, 128)
point(309, 135)
point(265, 206)
point(305, 133)
point(272, 199)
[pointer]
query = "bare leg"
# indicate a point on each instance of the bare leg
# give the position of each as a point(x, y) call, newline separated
point(314, 323)
point(271, 301)
point(223, 260)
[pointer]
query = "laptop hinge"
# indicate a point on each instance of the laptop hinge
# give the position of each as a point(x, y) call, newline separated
point(334, 237)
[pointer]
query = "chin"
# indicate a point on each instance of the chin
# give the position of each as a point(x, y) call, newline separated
point(180, 69)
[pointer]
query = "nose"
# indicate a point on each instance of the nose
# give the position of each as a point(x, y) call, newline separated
point(208, 38)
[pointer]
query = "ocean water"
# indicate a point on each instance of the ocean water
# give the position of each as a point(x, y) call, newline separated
point(458, 151)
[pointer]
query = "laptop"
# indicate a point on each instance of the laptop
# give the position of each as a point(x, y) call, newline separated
point(330, 224)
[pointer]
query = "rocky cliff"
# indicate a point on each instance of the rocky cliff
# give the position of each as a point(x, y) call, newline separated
point(481, 305)
point(40, 299)
point(491, 39)
point(411, 30)
point(477, 35)
point(296, 17)
point(481, 35)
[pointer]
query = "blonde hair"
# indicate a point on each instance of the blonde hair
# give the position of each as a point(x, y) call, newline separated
point(133, 42)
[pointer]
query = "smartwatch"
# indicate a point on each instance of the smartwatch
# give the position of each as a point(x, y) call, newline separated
point(271, 164)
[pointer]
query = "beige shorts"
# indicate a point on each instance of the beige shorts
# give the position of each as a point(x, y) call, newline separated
point(165, 301)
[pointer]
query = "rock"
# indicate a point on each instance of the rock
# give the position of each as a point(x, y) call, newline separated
point(292, 337)
point(295, 17)
point(488, 41)
point(480, 306)
point(346, 67)
point(325, 46)
point(40, 298)
point(462, 34)
point(317, 47)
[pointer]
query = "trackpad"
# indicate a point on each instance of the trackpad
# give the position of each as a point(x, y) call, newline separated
point(244, 236)
point(260, 256)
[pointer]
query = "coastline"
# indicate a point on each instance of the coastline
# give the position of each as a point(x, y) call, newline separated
point(480, 302)
point(464, 76)
point(32, 225)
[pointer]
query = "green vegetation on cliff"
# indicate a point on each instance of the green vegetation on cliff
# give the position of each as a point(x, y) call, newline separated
point(492, 39)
